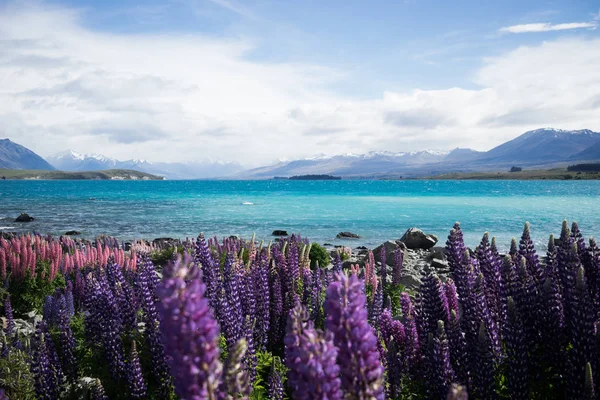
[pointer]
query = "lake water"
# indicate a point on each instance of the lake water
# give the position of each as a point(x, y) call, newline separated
point(376, 210)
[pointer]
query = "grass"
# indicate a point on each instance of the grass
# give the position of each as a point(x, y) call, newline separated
point(111, 174)
point(540, 174)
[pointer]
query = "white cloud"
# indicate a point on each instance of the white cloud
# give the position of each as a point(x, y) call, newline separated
point(547, 27)
point(190, 97)
point(234, 7)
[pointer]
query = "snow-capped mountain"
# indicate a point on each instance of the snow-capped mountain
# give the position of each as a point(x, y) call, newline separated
point(539, 148)
point(69, 160)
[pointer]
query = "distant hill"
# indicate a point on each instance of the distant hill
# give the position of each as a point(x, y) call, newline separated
point(15, 156)
point(72, 161)
point(543, 145)
point(540, 149)
point(111, 174)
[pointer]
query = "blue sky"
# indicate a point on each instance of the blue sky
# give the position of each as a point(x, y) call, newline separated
point(328, 76)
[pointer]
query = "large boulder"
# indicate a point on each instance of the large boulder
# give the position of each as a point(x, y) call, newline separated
point(390, 247)
point(72, 233)
point(279, 232)
point(414, 238)
point(24, 217)
point(347, 235)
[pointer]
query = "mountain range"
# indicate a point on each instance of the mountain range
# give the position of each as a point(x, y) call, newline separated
point(537, 149)
point(72, 161)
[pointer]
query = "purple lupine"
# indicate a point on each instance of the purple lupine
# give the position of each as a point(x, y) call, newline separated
point(578, 238)
point(457, 255)
point(582, 334)
point(591, 264)
point(376, 306)
point(235, 379)
point(111, 327)
point(337, 263)
point(317, 285)
point(234, 320)
point(527, 299)
point(210, 270)
point(458, 349)
point(361, 370)
point(489, 263)
point(435, 304)
point(160, 369)
point(275, 385)
point(276, 307)
point(123, 295)
point(67, 346)
point(443, 372)
point(552, 324)
point(311, 359)
point(516, 354)
point(137, 386)
point(396, 357)
point(483, 368)
point(44, 379)
point(413, 344)
point(551, 258)
point(307, 289)
point(3, 395)
point(383, 266)
point(451, 297)
point(47, 311)
point(262, 296)
point(397, 271)
point(250, 359)
point(8, 313)
point(190, 332)
point(247, 291)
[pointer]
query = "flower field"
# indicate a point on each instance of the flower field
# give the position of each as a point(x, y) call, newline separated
point(234, 319)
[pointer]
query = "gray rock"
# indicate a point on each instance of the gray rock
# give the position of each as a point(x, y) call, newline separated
point(72, 233)
point(415, 238)
point(437, 252)
point(390, 247)
point(24, 217)
point(279, 232)
point(347, 235)
point(440, 264)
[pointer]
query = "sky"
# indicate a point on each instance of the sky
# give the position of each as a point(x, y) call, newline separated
point(257, 81)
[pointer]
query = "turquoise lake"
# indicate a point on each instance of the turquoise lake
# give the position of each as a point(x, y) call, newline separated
point(376, 210)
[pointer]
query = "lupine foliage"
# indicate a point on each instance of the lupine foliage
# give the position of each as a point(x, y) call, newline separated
point(236, 319)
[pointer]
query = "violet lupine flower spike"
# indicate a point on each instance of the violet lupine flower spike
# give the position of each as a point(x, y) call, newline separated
point(398, 261)
point(190, 332)
point(483, 369)
point(516, 354)
point(235, 379)
point(443, 373)
point(8, 313)
point(97, 391)
point(358, 357)
point(137, 386)
point(311, 359)
point(275, 385)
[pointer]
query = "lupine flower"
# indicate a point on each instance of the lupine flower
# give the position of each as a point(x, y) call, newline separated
point(190, 332)
point(458, 349)
point(489, 263)
point(137, 386)
point(160, 369)
point(232, 312)
point(358, 358)
point(235, 378)
point(376, 305)
point(435, 304)
point(276, 307)
point(311, 359)
point(8, 313)
point(483, 369)
point(97, 391)
point(516, 354)
point(67, 346)
point(383, 269)
point(263, 296)
point(397, 271)
point(275, 385)
point(443, 374)
point(46, 386)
